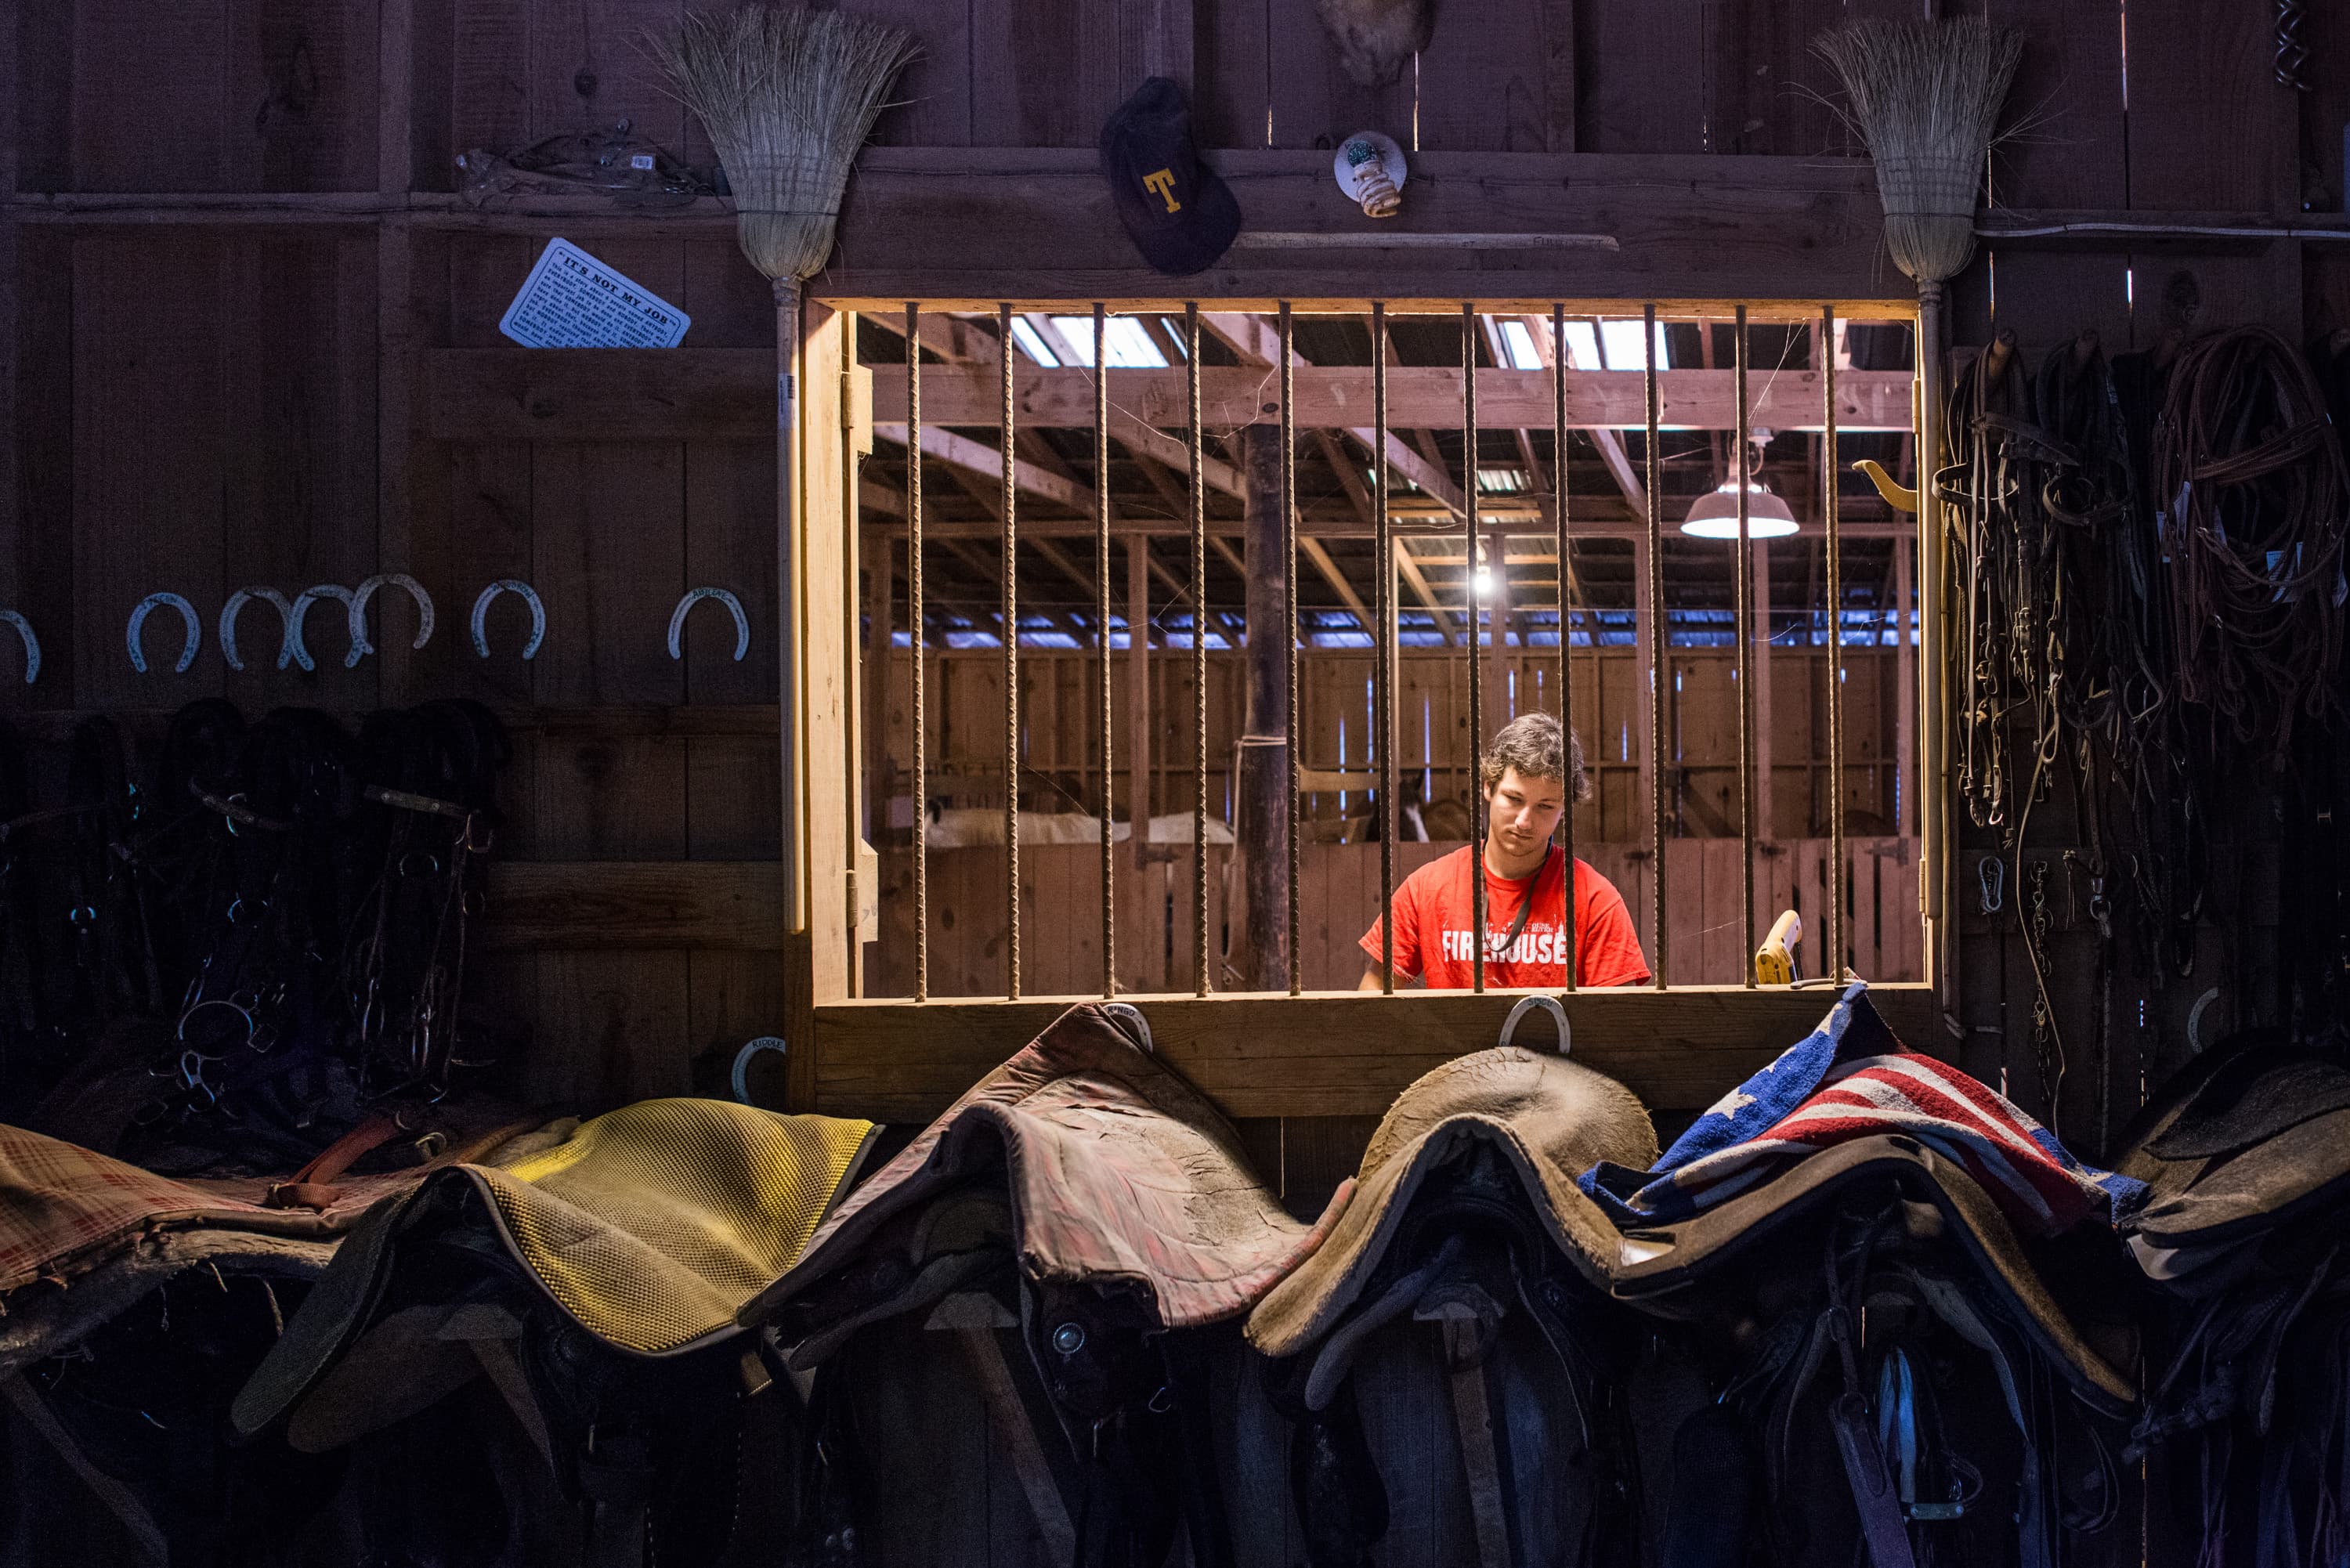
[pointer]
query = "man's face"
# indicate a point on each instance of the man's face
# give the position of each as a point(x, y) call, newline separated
point(1523, 811)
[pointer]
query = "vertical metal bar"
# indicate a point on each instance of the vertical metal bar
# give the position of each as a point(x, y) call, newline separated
point(1745, 623)
point(1828, 517)
point(1385, 665)
point(1476, 651)
point(1101, 641)
point(1199, 654)
point(918, 639)
point(1565, 635)
point(1289, 623)
point(1652, 462)
point(1010, 503)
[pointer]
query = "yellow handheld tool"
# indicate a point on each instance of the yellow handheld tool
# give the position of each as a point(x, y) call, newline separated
point(1775, 961)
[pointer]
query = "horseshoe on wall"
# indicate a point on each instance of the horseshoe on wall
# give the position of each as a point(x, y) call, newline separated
point(360, 645)
point(692, 595)
point(481, 610)
point(187, 614)
point(235, 606)
point(294, 650)
point(32, 644)
point(1548, 1004)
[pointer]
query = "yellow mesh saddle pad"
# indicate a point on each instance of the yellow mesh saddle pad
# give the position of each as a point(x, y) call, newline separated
point(652, 1223)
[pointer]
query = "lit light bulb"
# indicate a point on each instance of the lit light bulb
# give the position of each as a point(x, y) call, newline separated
point(1480, 581)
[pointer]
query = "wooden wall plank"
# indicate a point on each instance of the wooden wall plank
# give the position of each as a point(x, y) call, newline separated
point(585, 906)
point(933, 97)
point(1486, 85)
point(2207, 117)
point(147, 474)
point(155, 117)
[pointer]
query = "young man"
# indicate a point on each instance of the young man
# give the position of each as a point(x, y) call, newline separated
point(1530, 773)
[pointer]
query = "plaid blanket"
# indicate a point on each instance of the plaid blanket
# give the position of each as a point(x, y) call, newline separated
point(65, 1209)
point(1850, 1078)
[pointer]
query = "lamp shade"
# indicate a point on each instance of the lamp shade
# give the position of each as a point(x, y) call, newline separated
point(1715, 516)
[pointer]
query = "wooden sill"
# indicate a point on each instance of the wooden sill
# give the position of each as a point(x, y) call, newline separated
point(1338, 1054)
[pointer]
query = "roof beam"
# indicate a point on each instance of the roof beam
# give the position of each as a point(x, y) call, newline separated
point(1257, 341)
point(977, 457)
point(1407, 566)
point(1329, 396)
point(1336, 453)
point(1319, 554)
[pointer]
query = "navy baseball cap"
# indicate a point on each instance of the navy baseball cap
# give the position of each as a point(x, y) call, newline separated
point(1181, 215)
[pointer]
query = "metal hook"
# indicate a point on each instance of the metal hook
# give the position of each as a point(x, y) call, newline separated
point(742, 1062)
point(360, 645)
point(742, 621)
point(1548, 1004)
point(1990, 872)
point(236, 605)
point(1130, 1019)
point(295, 652)
point(481, 610)
point(32, 644)
point(187, 614)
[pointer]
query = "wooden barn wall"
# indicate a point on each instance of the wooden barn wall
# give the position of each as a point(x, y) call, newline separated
point(201, 397)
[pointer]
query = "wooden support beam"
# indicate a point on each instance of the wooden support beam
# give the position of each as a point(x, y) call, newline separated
point(1319, 554)
point(1347, 1054)
point(1172, 453)
point(1409, 566)
point(979, 458)
point(723, 394)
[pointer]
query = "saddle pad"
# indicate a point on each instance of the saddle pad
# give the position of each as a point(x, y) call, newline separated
point(1849, 1079)
point(649, 1226)
point(1116, 1173)
point(65, 1209)
point(1658, 1267)
point(1548, 1117)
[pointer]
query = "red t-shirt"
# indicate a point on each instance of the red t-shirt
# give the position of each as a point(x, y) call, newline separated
point(1435, 913)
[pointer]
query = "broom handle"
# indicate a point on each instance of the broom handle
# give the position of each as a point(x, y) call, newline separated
point(788, 617)
point(1933, 816)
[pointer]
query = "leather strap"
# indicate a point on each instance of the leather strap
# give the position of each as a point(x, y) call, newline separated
point(119, 1499)
point(312, 1187)
point(1017, 1434)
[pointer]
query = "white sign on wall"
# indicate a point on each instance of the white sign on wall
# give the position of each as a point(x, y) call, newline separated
point(571, 300)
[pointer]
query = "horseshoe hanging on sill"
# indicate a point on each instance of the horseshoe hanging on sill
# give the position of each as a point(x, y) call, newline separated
point(360, 645)
point(481, 610)
point(294, 650)
point(32, 644)
point(139, 620)
point(236, 605)
point(692, 595)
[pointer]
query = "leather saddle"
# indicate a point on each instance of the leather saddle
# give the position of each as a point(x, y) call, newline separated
point(1467, 1271)
point(2246, 1154)
point(1024, 1304)
point(590, 1274)
point(1887, 1372)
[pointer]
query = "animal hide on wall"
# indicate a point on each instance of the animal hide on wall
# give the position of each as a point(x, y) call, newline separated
point(1376, 37)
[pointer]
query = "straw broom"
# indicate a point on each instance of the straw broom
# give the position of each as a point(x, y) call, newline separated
point(1925, 98)
point(788, 96)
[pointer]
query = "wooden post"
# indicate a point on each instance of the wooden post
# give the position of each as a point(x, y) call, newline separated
point(1909, 777)
point(817, 968)
point(1138, 748)
point(1262, 960)
point(1643, 674)
point(880, 658)
point(1760, 664)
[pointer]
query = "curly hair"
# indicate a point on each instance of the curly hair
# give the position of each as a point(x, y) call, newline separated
point(1536, 745)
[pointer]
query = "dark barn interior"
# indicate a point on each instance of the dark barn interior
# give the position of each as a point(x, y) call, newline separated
point(736, 729)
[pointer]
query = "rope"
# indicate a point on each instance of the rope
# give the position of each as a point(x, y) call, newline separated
point(2251, 485)
point(1101, 636)
point(1476, 650)
point(914, 594)
point(1010, 503)
point(1289, 622)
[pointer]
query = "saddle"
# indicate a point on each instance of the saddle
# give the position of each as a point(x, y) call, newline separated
point(2246, 1154)
point(1865, 1252)
point(592, 1275)
point(1044, 1268)
point(1467, 1269)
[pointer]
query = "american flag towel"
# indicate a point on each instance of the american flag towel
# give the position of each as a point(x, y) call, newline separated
point(1850, 1078)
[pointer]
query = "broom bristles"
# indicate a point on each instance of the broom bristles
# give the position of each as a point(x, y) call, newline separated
point(789, 96)
point(1925, 100)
